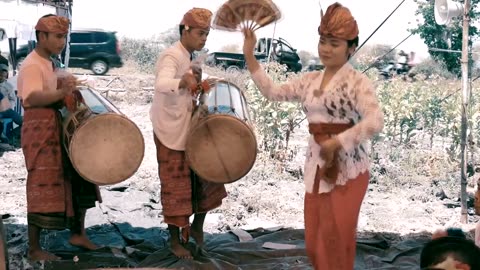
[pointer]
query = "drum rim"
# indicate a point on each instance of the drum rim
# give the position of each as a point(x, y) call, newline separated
point(101, 116)
point(209, 117)
point(227, 82)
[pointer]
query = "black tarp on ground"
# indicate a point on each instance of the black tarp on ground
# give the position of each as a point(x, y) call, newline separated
point(131, 247)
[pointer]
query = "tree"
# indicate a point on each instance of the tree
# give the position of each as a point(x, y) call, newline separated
point(374, 55)
point(305, 57)
point(434, 35)
point(144, 52)
point(168, 37)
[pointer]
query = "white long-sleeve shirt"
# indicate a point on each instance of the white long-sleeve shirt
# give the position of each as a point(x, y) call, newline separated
point(172, 107)
point(349, 97)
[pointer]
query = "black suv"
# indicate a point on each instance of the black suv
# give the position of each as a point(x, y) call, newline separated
point(93, 49)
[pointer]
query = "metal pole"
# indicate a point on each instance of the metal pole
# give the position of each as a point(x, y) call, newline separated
point(65, 11)
point(452, 51)
point(465, 97)
point(271, 43)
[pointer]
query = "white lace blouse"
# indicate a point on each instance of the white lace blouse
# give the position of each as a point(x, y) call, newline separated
point(349, 97)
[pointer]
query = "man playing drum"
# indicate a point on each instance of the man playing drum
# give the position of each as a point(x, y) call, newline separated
point(182, 192)
point(57, 197)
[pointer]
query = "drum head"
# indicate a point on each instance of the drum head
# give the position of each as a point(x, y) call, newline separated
point(221, 148)
point(107, 149)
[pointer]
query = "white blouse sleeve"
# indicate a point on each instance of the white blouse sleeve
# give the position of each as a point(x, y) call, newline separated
point(293, 90)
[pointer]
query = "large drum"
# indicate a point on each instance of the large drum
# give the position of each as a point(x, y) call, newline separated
point(104, 146)
point(221, 145)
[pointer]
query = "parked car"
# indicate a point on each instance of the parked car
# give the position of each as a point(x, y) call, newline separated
point(93, 49)
point(282, 52)
point(313, 65)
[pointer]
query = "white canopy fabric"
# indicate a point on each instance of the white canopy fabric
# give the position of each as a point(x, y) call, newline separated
point(63, 8)
point(20, 22)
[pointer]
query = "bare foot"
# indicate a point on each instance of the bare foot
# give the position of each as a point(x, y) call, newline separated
point(41, 255)
point(82, 241)
point(180, 251)
point(197, 235)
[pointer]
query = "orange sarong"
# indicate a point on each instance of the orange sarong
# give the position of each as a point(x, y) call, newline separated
point(331, 218)
point(55, 191)
point(331, 224)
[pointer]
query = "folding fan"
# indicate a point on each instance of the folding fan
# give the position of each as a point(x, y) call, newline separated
point(236, 15)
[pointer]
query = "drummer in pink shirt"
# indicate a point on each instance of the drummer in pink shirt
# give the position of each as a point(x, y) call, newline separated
point(57, 197)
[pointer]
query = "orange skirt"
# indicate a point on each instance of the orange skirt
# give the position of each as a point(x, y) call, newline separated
point(331, 223)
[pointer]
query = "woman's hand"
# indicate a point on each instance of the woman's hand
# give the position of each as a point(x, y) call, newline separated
point(248, 49)
point(328, 149)
point(249, 42)
point(329, 153)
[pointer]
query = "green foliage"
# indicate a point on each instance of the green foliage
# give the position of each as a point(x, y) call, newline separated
point(423, 113)
point(427, 110)
point(274, 121)
point(434, 35)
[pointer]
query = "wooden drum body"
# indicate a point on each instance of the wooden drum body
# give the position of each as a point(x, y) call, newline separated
point(221, 146)
point(104, 146)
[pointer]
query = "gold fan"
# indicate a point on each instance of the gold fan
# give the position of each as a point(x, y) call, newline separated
point(236, 15)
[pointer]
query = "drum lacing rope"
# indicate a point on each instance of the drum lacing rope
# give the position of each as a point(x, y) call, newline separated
point(232, 108)
point(244, 109)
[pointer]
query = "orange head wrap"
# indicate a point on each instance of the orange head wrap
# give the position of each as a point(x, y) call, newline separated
point(197, 18)
point(53, 24)
point(338, 22)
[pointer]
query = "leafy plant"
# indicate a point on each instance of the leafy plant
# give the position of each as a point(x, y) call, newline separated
point(274, 121)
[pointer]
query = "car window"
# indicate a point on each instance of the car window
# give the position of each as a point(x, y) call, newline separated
point(101, 37)
point(81, 38)
point(287, 49)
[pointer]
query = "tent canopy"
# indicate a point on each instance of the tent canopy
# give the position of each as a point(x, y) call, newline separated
point(54, 3)
point(24, 32)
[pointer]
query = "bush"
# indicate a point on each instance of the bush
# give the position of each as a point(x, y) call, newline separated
point(142, 52)
point(432, 69)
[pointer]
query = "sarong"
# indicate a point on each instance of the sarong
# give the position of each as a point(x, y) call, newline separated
point(55, 191)
point(183, 193)
point(331, 223)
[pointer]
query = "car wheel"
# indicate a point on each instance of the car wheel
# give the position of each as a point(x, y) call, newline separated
point(385, 76)
point(233, 69)
point(99, 67)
